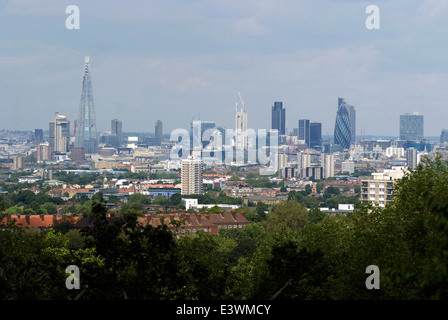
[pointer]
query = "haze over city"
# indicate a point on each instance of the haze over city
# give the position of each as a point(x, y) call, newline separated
point(176, 61)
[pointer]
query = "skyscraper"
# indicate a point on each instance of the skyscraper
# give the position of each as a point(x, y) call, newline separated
point(315, 134)
point(116, 128)
point(278, 118)
point(304, 131)
point(328, 165)
point(411, 127)
point(342, 129)
point(411, 158)
point(240, 128)
point(444, 136)
point(352, 116)
point(43, 152)
point(197, 129)
point(191, 176)
point(158, 131)
point(38, 136)
point(86, 135)
point(59, 133)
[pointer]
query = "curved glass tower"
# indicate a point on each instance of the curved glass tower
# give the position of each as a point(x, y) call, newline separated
point(342, 128)
point(85, 134)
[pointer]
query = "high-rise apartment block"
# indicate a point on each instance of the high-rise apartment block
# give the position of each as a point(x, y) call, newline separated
point(412, 158)
point(191, 176)
point(411, 127)
point(328, 165)
point(378, 190)
point(86, 134)
point(278, 118)
point(59, 133)
point(43, 152)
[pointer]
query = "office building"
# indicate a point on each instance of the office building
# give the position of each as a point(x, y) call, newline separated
point(59, 133)
point(191, 176)
point(197, 129)
point(352, 117)
point(241, 128)
point(378, 190)
point(86, 134)
point(37, 137)
point(278, 118)
point(315, 134)
point(411, 127)
point(117, 129)
point(342, 128)
point(158, 132)
point(304, 131)
point(444, 136)
point(109, 139)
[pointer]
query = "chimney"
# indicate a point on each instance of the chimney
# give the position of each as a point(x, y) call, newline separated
point(27, 219)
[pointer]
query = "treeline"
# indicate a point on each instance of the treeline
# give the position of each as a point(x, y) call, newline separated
point(290, 253)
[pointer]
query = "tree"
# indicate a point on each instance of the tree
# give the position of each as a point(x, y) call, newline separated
point(13, 210)
point(288, 216)
point(51, 208)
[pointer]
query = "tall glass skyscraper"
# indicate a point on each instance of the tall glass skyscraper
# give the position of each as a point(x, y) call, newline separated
point(342, 129)
point(278, 118)
point(304, 131)
point(86, 135)
point(411, 127)
point(158, 132)
point(315, 134)
point(117, 129)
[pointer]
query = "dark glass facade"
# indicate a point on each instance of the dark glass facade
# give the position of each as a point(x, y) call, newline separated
point(278, 118)
point(342, 130)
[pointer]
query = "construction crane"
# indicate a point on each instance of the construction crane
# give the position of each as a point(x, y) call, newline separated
point(242, 102)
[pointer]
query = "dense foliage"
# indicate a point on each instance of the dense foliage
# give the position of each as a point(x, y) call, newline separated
point(289, 253)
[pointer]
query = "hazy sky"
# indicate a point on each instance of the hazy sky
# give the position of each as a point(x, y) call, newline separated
point(175, 60)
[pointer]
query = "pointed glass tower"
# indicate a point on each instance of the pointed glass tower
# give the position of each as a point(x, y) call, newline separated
point(86, 135)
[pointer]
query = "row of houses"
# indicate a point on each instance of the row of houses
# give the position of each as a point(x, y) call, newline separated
point(180, 223)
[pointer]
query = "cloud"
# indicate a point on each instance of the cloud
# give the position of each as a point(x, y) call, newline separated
point(7, 62)
point(193, 84)
point(250, 26)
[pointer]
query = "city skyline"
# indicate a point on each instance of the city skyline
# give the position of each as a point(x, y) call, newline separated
point(201, 54)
